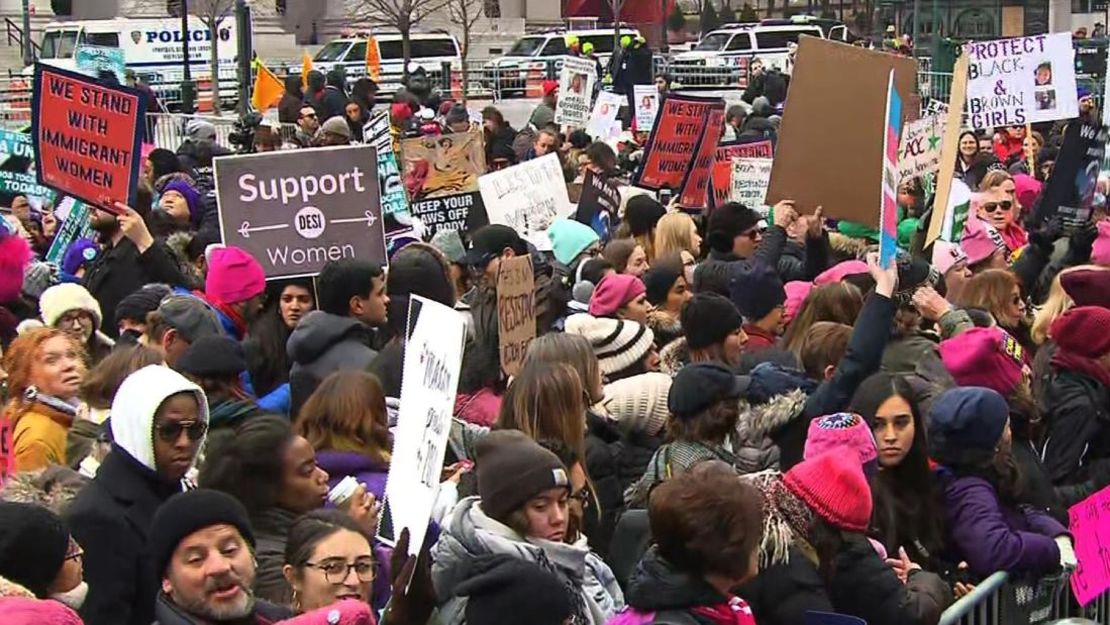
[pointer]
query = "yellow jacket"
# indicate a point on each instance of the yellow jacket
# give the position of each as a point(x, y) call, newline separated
point(39, 438)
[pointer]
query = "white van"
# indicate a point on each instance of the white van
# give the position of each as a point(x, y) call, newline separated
point(535, 52)
point(151, 47)
point(428, 50)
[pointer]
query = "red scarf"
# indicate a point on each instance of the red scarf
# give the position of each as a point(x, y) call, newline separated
point(232, 314)
point(735, 612)
point(1070, 361)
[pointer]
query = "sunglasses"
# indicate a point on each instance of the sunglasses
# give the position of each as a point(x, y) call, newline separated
point(754, 233)
point(170, 432)
point(991, 207)
point(309, 116)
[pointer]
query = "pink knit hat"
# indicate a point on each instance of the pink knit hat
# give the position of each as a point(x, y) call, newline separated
point(987, 357)
point(834, 487)
point(614, 291)
point(840, 431)
point(233, 275)
point(979, 241)
point(839, 271)
point(947, 255)
point(1100, 251)
point(15, 255)
point(1027, 189)
point(796, 293)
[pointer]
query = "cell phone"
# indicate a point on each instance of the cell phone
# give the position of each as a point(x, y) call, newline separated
point(665, 196)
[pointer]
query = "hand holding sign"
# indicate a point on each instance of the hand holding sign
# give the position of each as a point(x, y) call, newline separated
point(886, 279)
point(133, 227)
point(784, 213)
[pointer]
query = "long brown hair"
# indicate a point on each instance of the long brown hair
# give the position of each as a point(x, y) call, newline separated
point(570, 349)
point(347, 413)
point(991, 290)
point(838, 302)
point(100, 385)
point(19, 360)
point(546, 400)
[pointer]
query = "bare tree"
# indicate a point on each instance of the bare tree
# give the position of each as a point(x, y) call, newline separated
point(465, 14)
point(212, 14)
point(401, 15)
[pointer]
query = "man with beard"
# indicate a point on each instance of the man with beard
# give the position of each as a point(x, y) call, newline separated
point(131, 258)
point(202, 547)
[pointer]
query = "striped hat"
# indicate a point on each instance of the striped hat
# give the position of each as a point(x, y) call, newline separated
point(618, 344)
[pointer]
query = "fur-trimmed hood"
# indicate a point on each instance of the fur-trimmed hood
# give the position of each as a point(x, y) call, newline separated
point(674, 356)
point(665, 327)
point(844, 246)
point(53, 488)
point(755, 450)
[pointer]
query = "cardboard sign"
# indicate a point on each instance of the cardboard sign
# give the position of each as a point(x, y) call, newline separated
point(87, 136)
point(647, 106)
point(73, 217)
point(1089, 523)
point(888, 191)
point(949, 149)
point(1070, 190)
point(16, 183)
point(824, 158)
point(750, 177)
point(516, 311)
point(674, 140)
point(395, 202)
point(528, 197)
point(695, 188)
point(294, 214)
point(919, 154)
point(576, 91)
point(1012, 82)
point(441, 177)
point(600, 198)
point(721, 181)
point(92, 60)
point(430, 379)
point(603, 122)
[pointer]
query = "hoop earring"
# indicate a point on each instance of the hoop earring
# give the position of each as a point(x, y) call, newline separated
point(296, 601)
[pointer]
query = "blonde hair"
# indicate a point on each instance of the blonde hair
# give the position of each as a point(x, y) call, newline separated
point(994, 178)
point(674, 234)
point(1057, 303)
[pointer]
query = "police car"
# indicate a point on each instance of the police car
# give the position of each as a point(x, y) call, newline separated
point(429, 50)
point(541, 54)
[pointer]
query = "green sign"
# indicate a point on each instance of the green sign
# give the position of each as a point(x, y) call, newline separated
point(16, 183)
point(15, 144)
point(91, 60)
point(74, 226)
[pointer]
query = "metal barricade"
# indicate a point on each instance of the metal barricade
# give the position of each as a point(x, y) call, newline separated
point(998, 600)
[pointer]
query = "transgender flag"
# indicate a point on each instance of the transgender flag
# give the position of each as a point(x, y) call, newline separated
point(888, 211)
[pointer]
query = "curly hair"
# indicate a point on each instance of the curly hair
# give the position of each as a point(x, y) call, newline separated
point(19, 361)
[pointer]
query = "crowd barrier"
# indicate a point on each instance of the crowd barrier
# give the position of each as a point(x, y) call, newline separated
point(167, 130)
point(1000, 600)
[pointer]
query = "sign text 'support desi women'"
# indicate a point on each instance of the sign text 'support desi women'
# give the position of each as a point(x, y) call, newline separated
point(576, 91)
point(674, 139)
point(1012, 82)
point(86, 136)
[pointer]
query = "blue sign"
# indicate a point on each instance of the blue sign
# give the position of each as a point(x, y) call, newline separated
point(91, 60)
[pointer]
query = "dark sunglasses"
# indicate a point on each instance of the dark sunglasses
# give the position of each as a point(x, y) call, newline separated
point(754, 233)
point(991, 207)
point(170, 432)
point(309, 116)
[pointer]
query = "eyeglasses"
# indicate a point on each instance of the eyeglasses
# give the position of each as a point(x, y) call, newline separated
point(170, 432)
point(336, 571)
point(308, 116)
point(991, 207)
point(582, 496)
point(75, 552)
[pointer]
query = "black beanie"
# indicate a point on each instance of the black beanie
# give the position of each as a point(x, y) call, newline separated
point(641, 213)
point(708, 319)
point(512, 469)
point(756, 290)
point(33, 546)
point(727, 222)
point(503, 590)
point(188, 512)
point(658, 281)
point(139, 303)
point(215, 356)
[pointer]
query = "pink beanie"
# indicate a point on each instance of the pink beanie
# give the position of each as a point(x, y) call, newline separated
point(15, 255)
point(796, 293)
point(1027, 189)
point(979, 241)
point(947, 255)
point(839, 271)
point(987, 357)
point(1100, 251)
point(233, 276)
point(840, 431)
point(614, 291)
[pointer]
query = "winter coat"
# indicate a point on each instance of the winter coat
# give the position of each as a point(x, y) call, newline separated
point(769, 251)
point(321, 344)
point(340, 464)
point(771, 84)
point(637, 448)
point(19, 610)
point(673, 459)
point(754, 447)
point(1076, 449)
point(121, 270)
point(39, 438)
point(468, 532)
point(783, 592)
point(110, 518)
point(265, 613)
point(480, 407)
point(603, 448)
point(289, 107)
point(804, 262)
point(1036, 487)
point(271, 529)
point(758, 338)
point(658, 592)
point(665, 328)
point(333, 102)
point(990, 536)
point(674, 356)
point(387, 366)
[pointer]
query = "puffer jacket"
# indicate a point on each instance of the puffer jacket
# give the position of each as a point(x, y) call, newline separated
point(755, 449)
point(321, 344)
point(468, 532)
point(603, 448)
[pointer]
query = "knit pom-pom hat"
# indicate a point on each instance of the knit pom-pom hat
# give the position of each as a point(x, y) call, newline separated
point(834, 487)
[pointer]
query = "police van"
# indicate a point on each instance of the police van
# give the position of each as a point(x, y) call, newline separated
point(429, 50)
point(151, 47)
point(543, 52)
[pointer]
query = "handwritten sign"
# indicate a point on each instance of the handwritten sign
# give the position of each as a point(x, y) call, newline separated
point(647, 106)
point(695, 187)
point(528, 197)
point(516, 311)
point(673, 142)
point(721, 180)
point(1013, 82)
point(433, 356)
point(1089, 523)
point(603, 122)
point(750, 177)
point(919, 153)
point(576, 91)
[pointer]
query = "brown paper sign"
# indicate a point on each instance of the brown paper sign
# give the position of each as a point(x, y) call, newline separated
point(948, 149)
point(516, 311)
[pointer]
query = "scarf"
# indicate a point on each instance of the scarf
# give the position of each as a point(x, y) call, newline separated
point(1070, 361)
point(785, 517)
point(735, 612)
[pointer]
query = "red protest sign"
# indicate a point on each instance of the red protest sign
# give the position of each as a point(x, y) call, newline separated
point(695, 189)
point(87, 136)
point(674, 139)
point(722, 167)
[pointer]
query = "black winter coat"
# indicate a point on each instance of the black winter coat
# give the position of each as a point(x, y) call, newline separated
point(1077, 444)
point(110, 518)
point(782, 593)
point(167, 613)
point(637, 449)
point(122, 270)
point(334, 103)
point(602, 452)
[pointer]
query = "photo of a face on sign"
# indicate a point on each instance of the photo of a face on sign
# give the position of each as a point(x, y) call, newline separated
point(444, 165)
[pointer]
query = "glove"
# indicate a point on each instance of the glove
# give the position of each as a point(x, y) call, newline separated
point(1044, 238)
point(1081, 242)
point(415, 606)
point(1067, 552)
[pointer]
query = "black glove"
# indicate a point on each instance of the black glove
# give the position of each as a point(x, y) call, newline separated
point(1044, 238)
point(415, 606)
point(1081, 242)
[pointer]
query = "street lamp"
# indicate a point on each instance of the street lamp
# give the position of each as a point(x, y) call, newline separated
point(188, 87)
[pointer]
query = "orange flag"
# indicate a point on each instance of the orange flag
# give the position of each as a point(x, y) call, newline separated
point(267, 89)
point(373, 59)
point(306, 67)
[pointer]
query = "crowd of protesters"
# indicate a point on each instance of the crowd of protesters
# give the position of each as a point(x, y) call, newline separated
point(732, 418)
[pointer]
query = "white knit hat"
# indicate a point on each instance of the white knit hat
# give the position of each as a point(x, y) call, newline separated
point(618, 344)
point(639, 403)
point(62, 298)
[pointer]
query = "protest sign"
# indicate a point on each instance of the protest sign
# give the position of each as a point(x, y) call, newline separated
point(919, 154)
point(749, 179)
point(646, 98)
point(16, 144)
point(395, 202)
point(430, 378)
point(1011, 82)
point(1070, 190)
point(92, 60)
point(528, 197)
point(603, 122)
point(948, 153)
point(576, 91)
point(294, 214)
point(73, 218)
point(441, 177)
point(87, 136)
point(516, 311)
point(695, 187)
point(721, 181)
point(1089, 524)
point(599, 202)
point(674, 140)
point(955, 215)
point(888, 190)
point(811, 166)
point(16, 183)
